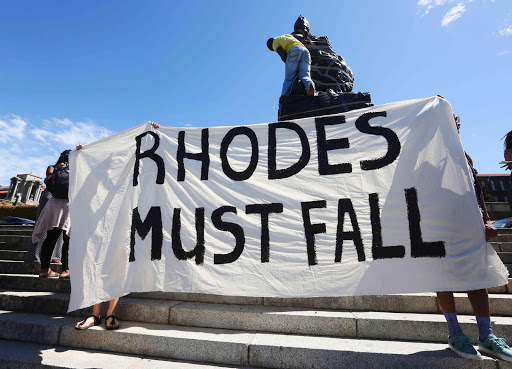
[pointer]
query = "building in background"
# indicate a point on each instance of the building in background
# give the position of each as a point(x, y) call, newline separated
point(496, 189)
point(25, 189)
point(4, 190)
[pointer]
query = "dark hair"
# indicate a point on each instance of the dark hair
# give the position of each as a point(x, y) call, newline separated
point(507, 144)
point(64, 157)
point(270, 41)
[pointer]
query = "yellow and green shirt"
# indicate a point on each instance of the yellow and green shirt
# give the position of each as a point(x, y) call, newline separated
point(286, 42)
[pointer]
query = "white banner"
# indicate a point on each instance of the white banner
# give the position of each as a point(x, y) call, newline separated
point(373, 201)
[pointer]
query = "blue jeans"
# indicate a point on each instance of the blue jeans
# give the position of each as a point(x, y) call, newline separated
point(298, 62)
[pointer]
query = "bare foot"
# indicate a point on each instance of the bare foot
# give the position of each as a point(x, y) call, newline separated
point(48, 273)
point(87, 323)
point(64, 274)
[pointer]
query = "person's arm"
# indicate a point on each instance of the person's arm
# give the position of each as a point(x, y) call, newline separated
point(282, 53)
point(490, 229)
point(49, 173)
point(508, 157)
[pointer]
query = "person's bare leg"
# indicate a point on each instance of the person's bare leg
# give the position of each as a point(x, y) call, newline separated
point(479, 300)
point(446, 301)
point(89, 322)
point(111, 311)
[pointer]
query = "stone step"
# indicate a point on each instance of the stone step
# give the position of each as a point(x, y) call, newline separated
point(19, 267)
point(502, 246)
point(31, 282)
point(12, 255)
point(504, 230)
point(378, 302)
point(500, 304)
point(14, 246)
point(8, 228)
point(14, 354)
point(506, 257)
point(9, 239)
point(234, 347)
point(368, 324)
point(503, 237)
point(25, 231)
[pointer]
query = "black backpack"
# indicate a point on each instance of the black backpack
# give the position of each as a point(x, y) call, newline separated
point(58, 184)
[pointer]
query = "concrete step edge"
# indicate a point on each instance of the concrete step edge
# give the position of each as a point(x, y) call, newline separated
point(241, 348)
point(20, 267)
point(22, 354)
point(370, 325)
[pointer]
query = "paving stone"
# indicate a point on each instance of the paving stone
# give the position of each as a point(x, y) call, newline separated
point(32, 282)
point(303, 352)
point(183, 343)
point(268, 319)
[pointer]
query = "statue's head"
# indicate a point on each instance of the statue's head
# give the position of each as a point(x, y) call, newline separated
point(301, 26)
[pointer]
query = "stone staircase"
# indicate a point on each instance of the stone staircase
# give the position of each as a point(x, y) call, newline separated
point(178, 330)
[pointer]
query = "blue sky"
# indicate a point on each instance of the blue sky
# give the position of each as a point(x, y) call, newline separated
point(74, 72)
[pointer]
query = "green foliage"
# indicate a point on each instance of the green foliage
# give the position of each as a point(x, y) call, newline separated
point(22, 211)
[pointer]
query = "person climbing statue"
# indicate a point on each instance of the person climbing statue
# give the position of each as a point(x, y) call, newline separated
point(297, 61)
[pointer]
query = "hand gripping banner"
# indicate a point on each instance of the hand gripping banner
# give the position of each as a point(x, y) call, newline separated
point(373, 201)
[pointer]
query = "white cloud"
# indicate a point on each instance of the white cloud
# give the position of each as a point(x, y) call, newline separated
point(504, 52)
point(14, 162)
point(73, 133)
point(453, 14)
point(12, 128)
point(26, 148)
point(506, 32)
point(432, 2)
point(41, 134)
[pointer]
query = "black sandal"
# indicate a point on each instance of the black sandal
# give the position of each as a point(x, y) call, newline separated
point(97, 321)
point(112, 325)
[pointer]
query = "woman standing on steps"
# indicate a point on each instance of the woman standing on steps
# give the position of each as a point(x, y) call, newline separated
point(54, 221)
point(111, 322)
point(507, 153)
point(488, 343)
